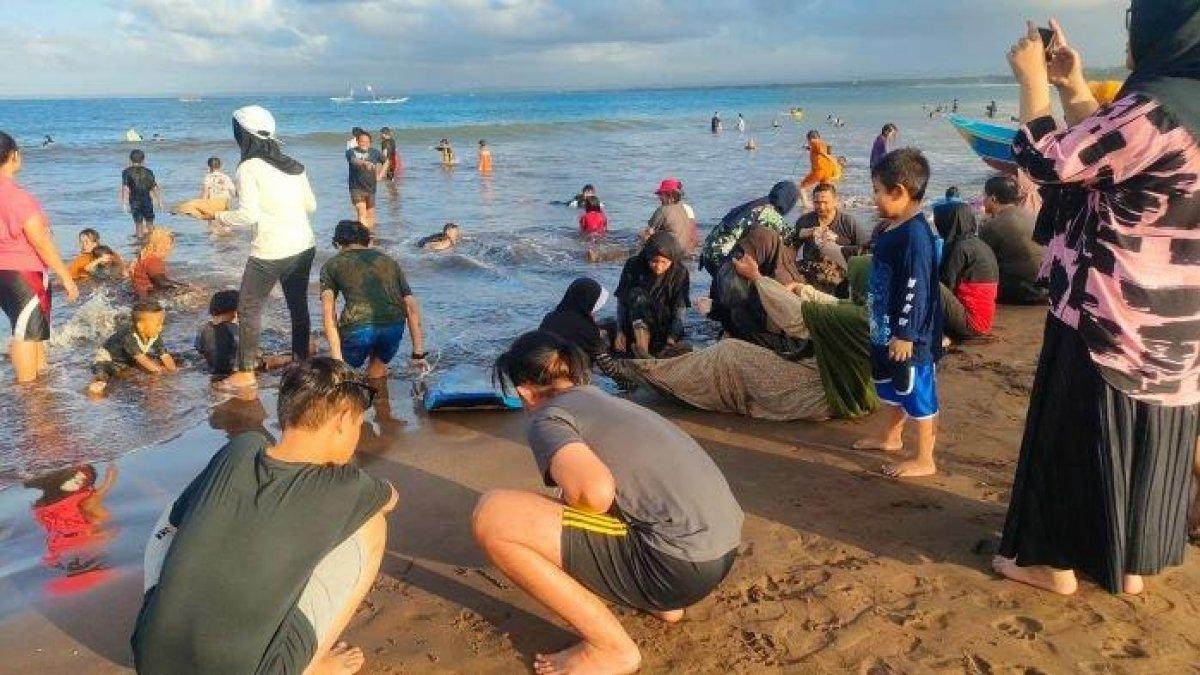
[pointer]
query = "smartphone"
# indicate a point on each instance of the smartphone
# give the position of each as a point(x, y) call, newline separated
point(1047, 37)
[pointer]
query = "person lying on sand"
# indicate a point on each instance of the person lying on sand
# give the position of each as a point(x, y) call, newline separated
point(445, 240)
point(616, 463)
point(261, 562)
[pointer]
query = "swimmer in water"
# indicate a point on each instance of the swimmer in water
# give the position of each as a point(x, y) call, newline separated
point(445, 240)
point(751, 145)
point(579, 200)
point(446, 151)
point(48, 141)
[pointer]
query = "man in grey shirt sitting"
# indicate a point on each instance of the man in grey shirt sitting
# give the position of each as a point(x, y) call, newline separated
point(827, 231)
point(1009, 232)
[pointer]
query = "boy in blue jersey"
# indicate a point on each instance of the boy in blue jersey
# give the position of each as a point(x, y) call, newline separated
point(904, 307)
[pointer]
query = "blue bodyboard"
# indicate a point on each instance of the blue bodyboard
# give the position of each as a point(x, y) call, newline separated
point(468, 388)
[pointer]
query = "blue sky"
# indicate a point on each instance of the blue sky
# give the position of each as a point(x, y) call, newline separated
point(171, 47)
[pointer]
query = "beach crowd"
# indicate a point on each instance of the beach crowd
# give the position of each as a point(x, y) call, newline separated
point(261, 562)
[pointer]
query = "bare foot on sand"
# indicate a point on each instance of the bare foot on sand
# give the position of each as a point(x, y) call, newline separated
point(341, 659)
point(913, 468)
point(1039, 576)
point(876, 444)
point(1133, 584)
point(672, 616)
point(584, 659)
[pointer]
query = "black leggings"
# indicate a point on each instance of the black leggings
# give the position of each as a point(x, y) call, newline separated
point(257, 281)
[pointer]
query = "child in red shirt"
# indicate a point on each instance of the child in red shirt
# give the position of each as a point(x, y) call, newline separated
point(593, 222)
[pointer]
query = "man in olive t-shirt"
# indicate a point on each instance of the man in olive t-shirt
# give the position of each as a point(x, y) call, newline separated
point(259, 565)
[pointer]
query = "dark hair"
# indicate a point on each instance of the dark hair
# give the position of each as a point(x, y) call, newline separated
point(89, 233)
point(349, 232)
point(362, 132)
point(587, 187)
point(214, 162)
point(144, 307)
point(356, 131)
point(813, 134)
point(311, 392)
point(1003, 189)
point(540, 358)
point(137, 156)
point(591, 203)
point(672, 196)
point(101, 249)
point(825, 187)
point(952, 192)
point(51, 483)
point(906, 168)
point(483, 141)
point(385, 130)
point(448, 226)
point(223, 302)
point(7, 147)
point(888, 128)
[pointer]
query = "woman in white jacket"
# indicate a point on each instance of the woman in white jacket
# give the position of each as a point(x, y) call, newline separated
point(275, 199)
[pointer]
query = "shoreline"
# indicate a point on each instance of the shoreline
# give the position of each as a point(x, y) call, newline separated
point(841, 569)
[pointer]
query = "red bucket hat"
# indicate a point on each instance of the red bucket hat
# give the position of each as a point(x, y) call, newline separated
point(669, 185)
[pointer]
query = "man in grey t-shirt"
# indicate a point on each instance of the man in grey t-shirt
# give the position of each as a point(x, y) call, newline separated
point(646, 520)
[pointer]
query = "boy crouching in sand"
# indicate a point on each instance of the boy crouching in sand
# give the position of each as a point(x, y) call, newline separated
point(216, 340)
point(260, 563)
point(138, 345)
point(905, 312)
point(646, 519)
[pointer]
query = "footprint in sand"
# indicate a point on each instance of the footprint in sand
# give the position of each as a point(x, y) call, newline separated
point(1020, 627)
point(1117, 648)
point(762, 647)
point(976, 664)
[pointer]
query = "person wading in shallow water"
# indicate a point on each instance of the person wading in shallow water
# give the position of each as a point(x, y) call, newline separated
point(646, 518)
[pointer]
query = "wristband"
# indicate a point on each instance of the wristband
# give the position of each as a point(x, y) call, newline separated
point(419, 357)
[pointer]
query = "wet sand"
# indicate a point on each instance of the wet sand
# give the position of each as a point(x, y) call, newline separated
point(842, 570)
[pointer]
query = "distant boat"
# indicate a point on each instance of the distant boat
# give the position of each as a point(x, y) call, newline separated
point(190, 99)
point(992, 142)
point(343, 99)
point(375, 99)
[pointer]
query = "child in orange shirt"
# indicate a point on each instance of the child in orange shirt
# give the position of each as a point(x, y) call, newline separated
point(95, 259)
point(485, 158)
point(825, 168)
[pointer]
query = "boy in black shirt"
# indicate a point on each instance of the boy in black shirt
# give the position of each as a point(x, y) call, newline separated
point(367, 168)
point(139, 192)
point(217, 339)
point(138, 345)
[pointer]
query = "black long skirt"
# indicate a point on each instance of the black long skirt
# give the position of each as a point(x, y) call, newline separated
point(1103, 480)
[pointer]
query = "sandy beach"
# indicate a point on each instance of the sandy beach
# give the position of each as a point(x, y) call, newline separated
point(841, 570)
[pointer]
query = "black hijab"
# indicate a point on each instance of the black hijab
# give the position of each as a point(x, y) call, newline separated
point(954, 222)
point(266, 149)
point(671, 288)
point(783, 196)
point(572, 320)
point(1164, 39)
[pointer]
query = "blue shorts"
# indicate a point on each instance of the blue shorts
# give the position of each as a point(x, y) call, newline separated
point(911, 386)
point(382, 342)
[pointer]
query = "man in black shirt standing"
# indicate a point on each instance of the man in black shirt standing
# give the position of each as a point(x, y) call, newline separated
point(260, 563)
point(367, 167)
point(139, 192)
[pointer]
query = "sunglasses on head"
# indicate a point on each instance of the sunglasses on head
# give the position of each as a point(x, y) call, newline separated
point(360, 389)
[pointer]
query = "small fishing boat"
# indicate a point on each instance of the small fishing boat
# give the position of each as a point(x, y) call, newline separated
point(992, 142)
point(343, 99)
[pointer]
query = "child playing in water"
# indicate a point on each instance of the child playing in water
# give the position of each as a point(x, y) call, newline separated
point(138, 345)
point(139, 192)
point(217, 339)
point(824, 169)
point(904, 306)
point(485, 157)
point(447, 239)
point(592, 222)
point(446, 151)
point(216, 194)
point(95, 260)
point(577, 202)
point(148, 273)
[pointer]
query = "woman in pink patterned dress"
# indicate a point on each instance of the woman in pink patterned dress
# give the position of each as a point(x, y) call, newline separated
point(1104, 473)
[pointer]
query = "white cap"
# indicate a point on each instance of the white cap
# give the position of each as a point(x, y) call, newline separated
point(257, 120)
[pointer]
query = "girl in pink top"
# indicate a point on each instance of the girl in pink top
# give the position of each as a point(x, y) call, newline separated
point(27, 252)
point(1105, 467)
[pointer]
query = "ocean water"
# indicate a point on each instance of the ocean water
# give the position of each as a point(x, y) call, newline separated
point(521, 247)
